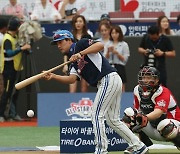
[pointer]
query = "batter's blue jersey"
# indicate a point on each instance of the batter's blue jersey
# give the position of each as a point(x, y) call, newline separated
point(92, 67)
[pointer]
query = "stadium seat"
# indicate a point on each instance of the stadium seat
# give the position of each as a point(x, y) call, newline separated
point(173, 16)
point(122, 16)
point(149, 16)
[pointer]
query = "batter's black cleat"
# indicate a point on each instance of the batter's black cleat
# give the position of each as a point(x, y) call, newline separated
point(143, 150)
point(128, 150)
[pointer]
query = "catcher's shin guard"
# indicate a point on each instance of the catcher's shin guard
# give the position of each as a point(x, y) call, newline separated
point(145, 139)
point(176, 141)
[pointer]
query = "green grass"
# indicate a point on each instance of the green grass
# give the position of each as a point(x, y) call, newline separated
point(29, 136)
point(46, 136)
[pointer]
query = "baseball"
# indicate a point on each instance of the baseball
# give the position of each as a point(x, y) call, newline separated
point(30, 113)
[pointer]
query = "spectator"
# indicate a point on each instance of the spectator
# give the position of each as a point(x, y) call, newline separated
point(155, 48)
point(11, 64)
point(15, 9)
point(117, 52)
point(69, 8)
point(156, 114)
point(79, 31)
point(45, 11)
point(104, 29)
point(178, 22)
point(3, 28)
point(104, 17)
point(164, 26)
point(79, 28)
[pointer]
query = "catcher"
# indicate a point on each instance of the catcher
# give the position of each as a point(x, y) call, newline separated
point(156, 114)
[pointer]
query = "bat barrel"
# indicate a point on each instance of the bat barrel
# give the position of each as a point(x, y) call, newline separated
point(28, 81)
point(34, 78)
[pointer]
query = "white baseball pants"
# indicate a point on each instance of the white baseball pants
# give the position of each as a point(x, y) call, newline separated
point(107, 105)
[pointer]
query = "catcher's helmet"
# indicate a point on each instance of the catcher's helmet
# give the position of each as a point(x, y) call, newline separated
point(61, 35)
point(167, 129)
point(148, 78)
point(14, 23)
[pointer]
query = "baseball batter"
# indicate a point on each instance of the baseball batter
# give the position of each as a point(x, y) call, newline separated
point(88, 63)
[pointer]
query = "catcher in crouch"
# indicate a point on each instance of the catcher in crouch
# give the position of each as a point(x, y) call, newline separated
point(156, 114)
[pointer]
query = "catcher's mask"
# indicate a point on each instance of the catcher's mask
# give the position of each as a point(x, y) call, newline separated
point(148, 79)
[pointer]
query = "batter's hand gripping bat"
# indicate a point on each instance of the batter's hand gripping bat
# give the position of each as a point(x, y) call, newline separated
point(34, 78)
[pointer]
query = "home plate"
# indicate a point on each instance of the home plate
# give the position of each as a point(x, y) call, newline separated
point(49, 148)
point(162, 146)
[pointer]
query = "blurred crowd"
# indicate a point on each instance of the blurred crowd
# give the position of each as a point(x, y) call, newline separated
point(116, 49)
point(43, 10)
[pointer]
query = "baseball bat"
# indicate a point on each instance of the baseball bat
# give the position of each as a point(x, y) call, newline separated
point(34, 78)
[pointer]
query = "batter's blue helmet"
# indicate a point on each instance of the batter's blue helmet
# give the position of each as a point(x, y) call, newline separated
point(61, 35)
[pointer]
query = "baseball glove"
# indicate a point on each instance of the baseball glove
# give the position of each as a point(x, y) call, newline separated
point(141, 121)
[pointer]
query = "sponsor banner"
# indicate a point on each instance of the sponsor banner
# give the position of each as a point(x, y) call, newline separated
point(139, 29)
point(77, 136)
point(82, 108)
point(129, 29)
point(137, 6)
point(54, 107)
point(95, 8)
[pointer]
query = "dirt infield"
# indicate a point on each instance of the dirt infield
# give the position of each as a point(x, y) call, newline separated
point(25, 123)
